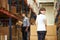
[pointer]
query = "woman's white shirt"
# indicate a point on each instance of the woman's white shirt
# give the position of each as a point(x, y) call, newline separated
point(40, 22)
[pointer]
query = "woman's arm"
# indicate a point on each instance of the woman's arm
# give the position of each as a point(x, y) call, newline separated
point(45, 21)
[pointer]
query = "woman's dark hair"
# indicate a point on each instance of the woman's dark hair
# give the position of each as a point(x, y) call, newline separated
point(41, 9)
point(39, 13)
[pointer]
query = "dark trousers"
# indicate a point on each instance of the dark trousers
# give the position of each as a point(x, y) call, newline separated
point(24, 33)
point(41, 35)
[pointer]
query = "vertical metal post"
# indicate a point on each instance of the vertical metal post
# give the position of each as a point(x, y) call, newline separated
point(10, 29)
point(10, 21)
point(26, 9)
point(22, 5)
point(17, 5)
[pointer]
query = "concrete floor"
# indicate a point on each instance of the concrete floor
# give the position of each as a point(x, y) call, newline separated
point(51, 33)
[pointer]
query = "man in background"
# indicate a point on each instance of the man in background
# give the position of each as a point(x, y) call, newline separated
point(25, 26)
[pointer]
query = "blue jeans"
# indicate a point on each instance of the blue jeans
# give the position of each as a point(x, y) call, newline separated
point(41, 35)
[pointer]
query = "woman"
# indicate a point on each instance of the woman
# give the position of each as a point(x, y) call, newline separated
point(41, 23)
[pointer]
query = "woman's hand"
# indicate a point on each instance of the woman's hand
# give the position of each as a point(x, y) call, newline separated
point(26, 30)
